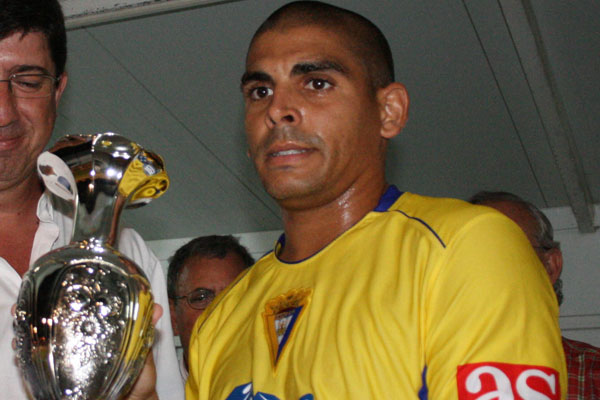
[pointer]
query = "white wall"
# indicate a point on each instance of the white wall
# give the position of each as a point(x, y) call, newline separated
point(580, 312)
point(257, 243)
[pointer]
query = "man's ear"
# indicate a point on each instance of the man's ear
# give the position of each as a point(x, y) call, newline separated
point(393, 103)
point(553, 264)
point(173, 319)
point(62, 84)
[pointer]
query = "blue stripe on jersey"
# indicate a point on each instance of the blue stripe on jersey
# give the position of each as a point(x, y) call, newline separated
point(423, 392)
point(389, 197)
point(288, 331)
point(426, 226)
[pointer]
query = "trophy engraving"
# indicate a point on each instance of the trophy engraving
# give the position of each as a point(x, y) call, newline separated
point(84, 311)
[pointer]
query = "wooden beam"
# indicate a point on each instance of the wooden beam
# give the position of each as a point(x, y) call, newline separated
point(524, 29)
point(83, 13)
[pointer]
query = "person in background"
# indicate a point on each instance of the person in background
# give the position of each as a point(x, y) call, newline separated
point(198, 271)
point(33, 52)
point(583, 359)
point(371, 292)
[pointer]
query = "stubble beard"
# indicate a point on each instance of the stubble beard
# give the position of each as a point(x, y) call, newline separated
point(281, 185)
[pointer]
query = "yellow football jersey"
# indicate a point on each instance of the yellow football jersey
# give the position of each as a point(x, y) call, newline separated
point(422, 298)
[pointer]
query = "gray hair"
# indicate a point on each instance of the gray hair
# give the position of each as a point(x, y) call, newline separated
point(544, 234)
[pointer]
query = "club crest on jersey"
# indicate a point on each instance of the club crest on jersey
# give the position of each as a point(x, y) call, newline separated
point(281, 316)
point(507, 382)
point(244, 392)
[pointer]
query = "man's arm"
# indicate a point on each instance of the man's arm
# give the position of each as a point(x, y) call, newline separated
point(492, 317)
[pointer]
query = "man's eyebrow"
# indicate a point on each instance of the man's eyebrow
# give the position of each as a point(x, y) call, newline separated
point(255, 76)
point(30, 68)
point(315, 66)
point(300, 68)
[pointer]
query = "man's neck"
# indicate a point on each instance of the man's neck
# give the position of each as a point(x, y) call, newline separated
point(21, 198)
point(18, 207)
point(308, 231)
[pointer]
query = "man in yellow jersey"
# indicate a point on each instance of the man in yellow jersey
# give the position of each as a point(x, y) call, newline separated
point(371, 293)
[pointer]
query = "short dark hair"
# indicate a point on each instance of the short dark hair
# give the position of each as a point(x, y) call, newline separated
point(365, 38)
point(213, 246)
point(43, 16)
point(544, 234)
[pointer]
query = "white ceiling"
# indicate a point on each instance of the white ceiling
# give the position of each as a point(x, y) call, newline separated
point(489, 110)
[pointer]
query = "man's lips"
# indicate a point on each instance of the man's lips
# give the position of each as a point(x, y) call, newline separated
point(289, 152)
point(287, 155)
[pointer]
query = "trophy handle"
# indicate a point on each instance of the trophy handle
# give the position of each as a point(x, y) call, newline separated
point(57, 176)
point(144, 179)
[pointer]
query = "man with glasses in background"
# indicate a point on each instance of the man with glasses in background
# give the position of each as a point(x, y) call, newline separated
point(198, 271)
point(33, 54)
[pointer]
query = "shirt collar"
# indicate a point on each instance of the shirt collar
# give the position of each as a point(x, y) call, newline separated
point(389, 197)
point(392, 193)
point(45, 212)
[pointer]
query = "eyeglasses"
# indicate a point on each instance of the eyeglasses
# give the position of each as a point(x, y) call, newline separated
point(29, 86)
point(199, 298)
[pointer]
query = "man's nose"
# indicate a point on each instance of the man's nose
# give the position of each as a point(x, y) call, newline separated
point(283, 110)
point(8, 107)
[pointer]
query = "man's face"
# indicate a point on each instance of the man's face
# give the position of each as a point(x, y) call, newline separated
point(25, 124)
point(211, 274)
point(312, 120)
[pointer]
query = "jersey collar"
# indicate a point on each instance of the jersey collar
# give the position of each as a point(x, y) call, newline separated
point(392, 193)
point(390, 196)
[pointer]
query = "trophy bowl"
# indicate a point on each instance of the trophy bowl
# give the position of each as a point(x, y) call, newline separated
point(83, 319)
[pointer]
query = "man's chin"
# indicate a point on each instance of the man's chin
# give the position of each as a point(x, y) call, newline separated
point(281, 192)
point(297, 196)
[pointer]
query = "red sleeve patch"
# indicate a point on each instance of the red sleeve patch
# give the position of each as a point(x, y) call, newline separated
point(499, 381)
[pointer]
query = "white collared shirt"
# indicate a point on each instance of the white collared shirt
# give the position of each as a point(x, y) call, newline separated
point(183, 370)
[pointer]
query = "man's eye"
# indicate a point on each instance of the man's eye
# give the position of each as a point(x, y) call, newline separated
point(201, 298)
point(318, 84)
point(260, 92)
point(28, 82)
point(198, 297)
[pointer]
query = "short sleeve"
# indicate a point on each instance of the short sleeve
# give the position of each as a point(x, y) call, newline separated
point(491, 311)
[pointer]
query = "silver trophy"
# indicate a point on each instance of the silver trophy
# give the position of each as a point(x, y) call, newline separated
point(84, 311)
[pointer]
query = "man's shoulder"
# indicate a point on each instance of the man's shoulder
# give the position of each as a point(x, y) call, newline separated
point(438, 208)
point(132, 245)
point(447, 217)
point(575, 347)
